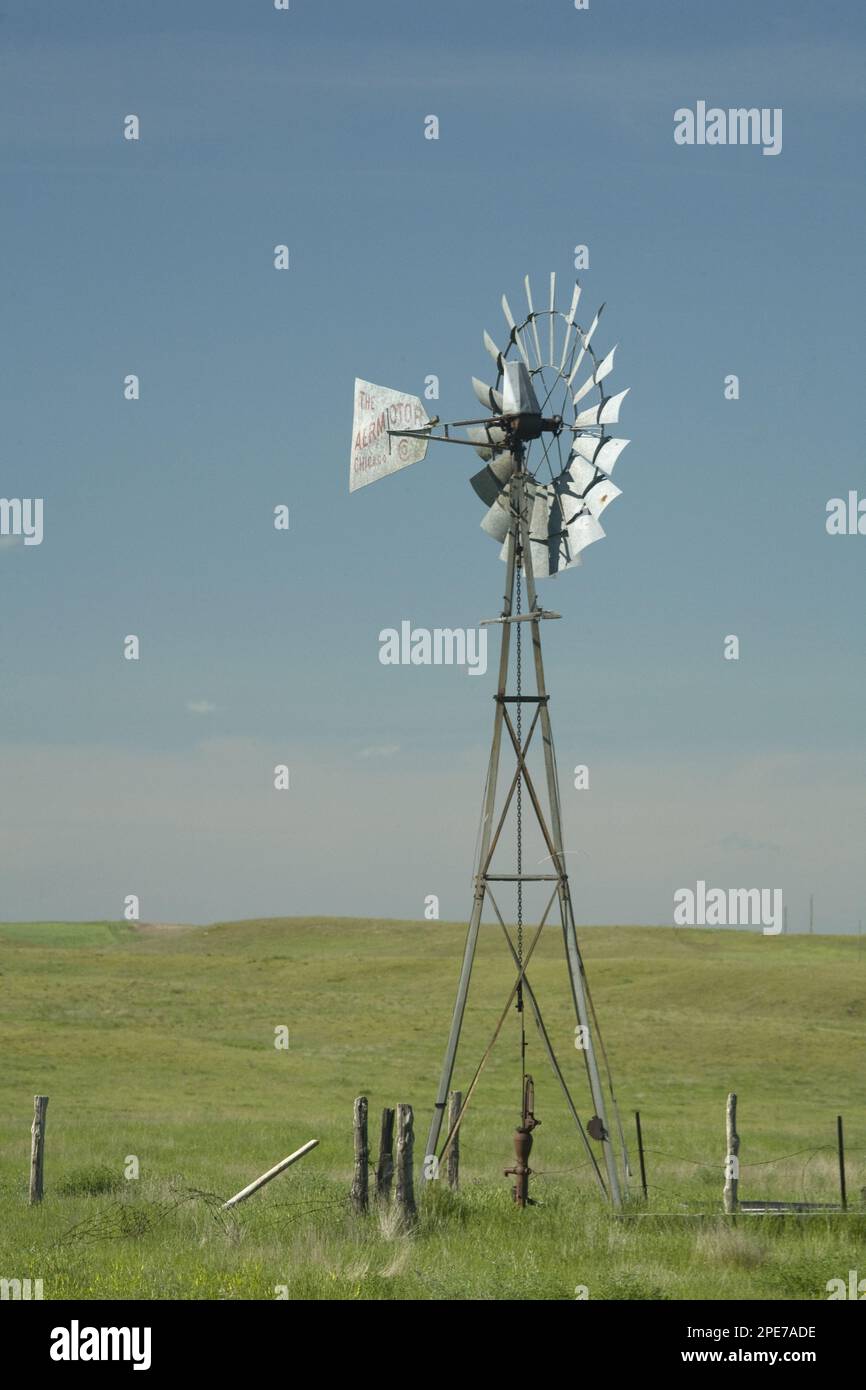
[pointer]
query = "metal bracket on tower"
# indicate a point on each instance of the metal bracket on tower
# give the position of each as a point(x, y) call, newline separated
point(521, 618)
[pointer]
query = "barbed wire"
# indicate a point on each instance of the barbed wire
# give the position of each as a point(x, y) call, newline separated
point(125, 1220)
point(756, 1163)
point(129, 1221)
point(713, 1167)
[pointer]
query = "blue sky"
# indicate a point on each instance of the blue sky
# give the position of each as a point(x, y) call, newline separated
point(156, 257)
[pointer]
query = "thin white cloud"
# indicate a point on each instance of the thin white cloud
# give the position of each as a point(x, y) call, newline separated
point(203, 835)
point(380, 750)
point(200, 707)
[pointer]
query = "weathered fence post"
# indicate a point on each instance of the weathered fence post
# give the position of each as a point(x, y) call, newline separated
point(37, 1148)
point(360, 1177)
point(455, 1100)
point(405, 1192)
point(385, 1166)
point(732, 1162)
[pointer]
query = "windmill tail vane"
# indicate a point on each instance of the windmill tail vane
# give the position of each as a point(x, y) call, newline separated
point(545, 481)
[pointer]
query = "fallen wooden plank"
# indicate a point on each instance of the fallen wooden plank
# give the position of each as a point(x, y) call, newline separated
point(271, 1173)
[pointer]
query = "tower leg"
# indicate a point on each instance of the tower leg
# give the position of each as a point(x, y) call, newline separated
point(430, 1162)
point(429, 1168)
point(572, 952)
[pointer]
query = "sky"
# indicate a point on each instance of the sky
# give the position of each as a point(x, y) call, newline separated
point(260, 647)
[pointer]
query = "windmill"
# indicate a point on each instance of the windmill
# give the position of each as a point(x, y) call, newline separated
point(545, 483)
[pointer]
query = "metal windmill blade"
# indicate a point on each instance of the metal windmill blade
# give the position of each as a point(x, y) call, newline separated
point(487, 396)
point(600, 450)
point(567, 450)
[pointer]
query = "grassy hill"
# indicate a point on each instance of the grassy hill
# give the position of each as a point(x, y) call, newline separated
point(158, 1042)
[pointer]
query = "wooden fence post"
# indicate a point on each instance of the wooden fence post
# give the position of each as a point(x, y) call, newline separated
point(360, 1177)
point(405, 1193)
point(385, 1166)
point(732, 1162)
point(37, 1148)
point(455, 1100)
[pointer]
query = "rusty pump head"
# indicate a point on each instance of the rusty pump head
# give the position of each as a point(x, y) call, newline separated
point(523, 1148)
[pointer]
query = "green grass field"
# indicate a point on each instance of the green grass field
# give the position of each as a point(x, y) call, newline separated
point(159, 1043)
